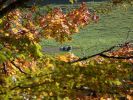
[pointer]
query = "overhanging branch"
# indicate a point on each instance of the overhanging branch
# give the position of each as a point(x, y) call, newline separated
point(21, 70)
point(105, 51)
point(13, 5)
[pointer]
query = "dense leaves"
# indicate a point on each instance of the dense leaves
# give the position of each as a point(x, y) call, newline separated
point(52, 78)
point(60, 26)
point(28, 74)
point(20, 31)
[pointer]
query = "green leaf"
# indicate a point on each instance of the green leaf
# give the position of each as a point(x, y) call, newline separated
point(36, 50)
point(2, 57)
point(117, 82)
point(71, 1)
point(0, 21)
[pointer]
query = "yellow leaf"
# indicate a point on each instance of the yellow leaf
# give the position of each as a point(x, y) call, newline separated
point(30, 35)
point(0, 21)
point(62, 58)
point(71, 1)
point(76, 30)
point(45, 94)
point(14, 30)
point(50, 94)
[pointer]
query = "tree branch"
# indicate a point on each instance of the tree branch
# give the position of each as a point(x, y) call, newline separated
point(21, 70)
point(107, 50)
point(10, 7)
point(4, 68)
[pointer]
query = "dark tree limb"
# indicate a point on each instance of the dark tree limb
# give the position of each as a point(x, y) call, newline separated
point(85, 58)
point(105, 51)
point(4, 68)
point(21, 70)
point(10, 7)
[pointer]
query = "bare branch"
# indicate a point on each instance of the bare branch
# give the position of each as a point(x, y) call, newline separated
point(4, 68)
point(107, 50)
point(21, 70)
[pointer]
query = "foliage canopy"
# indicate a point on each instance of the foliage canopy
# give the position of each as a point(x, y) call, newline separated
point(26, 73)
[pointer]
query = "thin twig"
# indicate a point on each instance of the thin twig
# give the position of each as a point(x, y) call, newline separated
point(4, 68)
